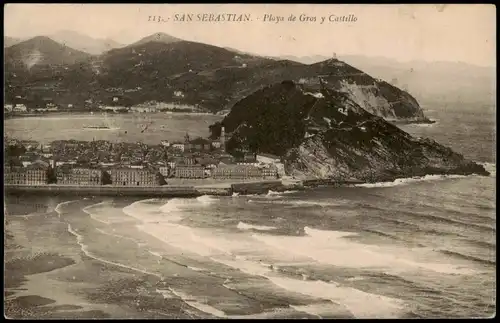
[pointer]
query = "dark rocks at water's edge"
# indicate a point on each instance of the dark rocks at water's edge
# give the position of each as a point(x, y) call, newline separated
point(326, 135)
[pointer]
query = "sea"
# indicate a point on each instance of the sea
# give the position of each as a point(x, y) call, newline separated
point(412, 248)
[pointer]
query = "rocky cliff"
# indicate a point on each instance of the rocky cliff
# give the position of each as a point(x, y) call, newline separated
point(327, 134)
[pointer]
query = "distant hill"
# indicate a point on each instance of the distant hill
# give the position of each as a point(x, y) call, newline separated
point(157, 37)
point(9, 41)
point(84, 43)
point(433, 81)
point(40, 51)
point(306, 59)
point(164, 68)
point(428, 81)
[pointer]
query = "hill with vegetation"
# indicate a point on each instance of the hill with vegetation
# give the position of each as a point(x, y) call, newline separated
point(325, 134)
point(165, 69)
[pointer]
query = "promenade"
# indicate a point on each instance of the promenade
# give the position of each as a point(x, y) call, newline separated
point(179, 189)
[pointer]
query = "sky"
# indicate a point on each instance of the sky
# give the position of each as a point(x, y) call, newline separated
point(460, 32)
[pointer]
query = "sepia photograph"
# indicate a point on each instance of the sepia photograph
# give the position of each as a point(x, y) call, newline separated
point(249, 161)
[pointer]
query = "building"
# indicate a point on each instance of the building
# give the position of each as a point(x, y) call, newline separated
point(36, 176)
point(26, 175)
point(237, 172)
point(248, 159)
point(20, 108)
point(68, 175)
point(8, 107)
point(267, 158)
point(143, 109)
point(207, 162)
point(14, 175)
point(199, 144)
point(165, 143)
point(222, 138)
point(178, 146)
point(46, 149)
point(190, 171)
point(165, 171)
point(178, 94)
point(133, 177)
point(51, 107)
point(269, 172)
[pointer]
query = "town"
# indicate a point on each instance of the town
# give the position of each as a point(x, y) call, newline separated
point(93, 163)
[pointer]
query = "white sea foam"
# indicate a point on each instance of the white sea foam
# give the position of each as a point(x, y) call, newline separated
point(166, 293)
point(206, 199)
point(94, 216)
point(491, 168)
point(246, 226)
point(426, 125)
point(181, 237)
point(150, 213)
point(357, 302)
point(319, 310)
point(118, 236)
point(198, 303)
point(274, 193)
point(84, 248)
point(154, 253)
point(406, 181)
point(331, 247)
point(243, 252)
point(299, 203)
point(58, 207)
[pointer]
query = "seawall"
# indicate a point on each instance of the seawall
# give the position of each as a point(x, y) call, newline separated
point(257, 187)
point(311, 183)
point(105, 190)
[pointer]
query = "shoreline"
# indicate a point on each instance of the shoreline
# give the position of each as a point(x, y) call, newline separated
point(97, 113)
point(217, 189)
point(190, 189)
point(405, 122)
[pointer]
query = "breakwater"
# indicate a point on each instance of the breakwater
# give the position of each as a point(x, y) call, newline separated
point(153, 191)
point(311, 183)
point(257, 187)
point(105, 190)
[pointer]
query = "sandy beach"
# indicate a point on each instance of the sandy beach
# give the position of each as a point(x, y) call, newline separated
point(56, 279)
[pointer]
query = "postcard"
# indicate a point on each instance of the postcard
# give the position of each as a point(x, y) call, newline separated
point(192, 161)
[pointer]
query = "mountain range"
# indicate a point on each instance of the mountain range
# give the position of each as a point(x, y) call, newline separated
point(429, 81)
point(164, 68)
point(326, 119)
point(9, 41)
point(84, 43)
point(74, 40)
point(41, 51)
point(161, 67)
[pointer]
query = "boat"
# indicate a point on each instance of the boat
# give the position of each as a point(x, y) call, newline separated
point(96, 127)
point(104, 126)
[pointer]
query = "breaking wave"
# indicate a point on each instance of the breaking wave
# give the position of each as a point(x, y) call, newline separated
point(406, 181)
point(84, 248)
point(491, 168)
point(246, 226)
point(274, 193)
